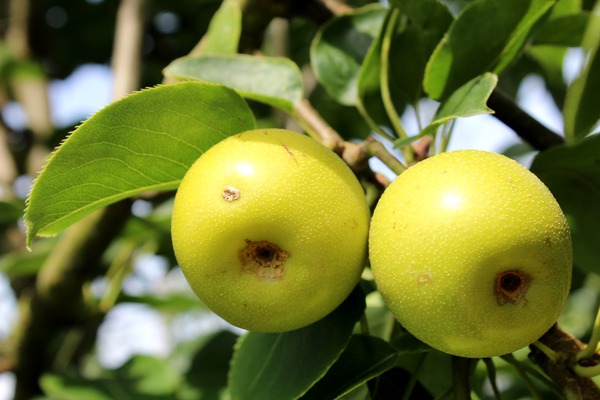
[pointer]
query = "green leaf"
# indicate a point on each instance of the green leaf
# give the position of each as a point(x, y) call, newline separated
point(369, 100)
point(433, 368)
point(275, 81)
point(486, 36)
point(423, 24)
point(339, 48)
point(206, 377)
point(141, 378)
point(581, 111)
point(146, 141)
point(469, 100)
point(285, 365)
point(565, 30)
point(346, 120)
point(225, 29)
point(418, 25)
point(364, 358)
point(573, 175)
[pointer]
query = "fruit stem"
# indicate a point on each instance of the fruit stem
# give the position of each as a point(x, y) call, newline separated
point(587, 372)
point(532, 371)
point(522, 371)
point(372, 191)
point(551, 354)
point(314, 124)
point(592, 346)
point(364, 325)
point(414, 377)
point(376, 149)
point(461, 373)
point(385, 84)
point(491, 370)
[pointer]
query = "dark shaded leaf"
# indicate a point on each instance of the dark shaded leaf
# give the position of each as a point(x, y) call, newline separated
point(573, 175)
point(285, 365)
point(364, 358)
point(581, 111)
point(339, 48)
point(207, 376)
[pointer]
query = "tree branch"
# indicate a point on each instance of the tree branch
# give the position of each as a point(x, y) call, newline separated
point(561, 370)
point(524, 125)
point(56, 303)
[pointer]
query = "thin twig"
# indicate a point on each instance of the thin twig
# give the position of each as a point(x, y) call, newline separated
point(524, 125)
point(592, 345)
point(374, 148)
point(315, 125)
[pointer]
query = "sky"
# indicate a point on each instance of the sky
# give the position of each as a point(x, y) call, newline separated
point(130, 329)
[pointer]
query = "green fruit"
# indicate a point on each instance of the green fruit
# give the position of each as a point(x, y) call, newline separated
point(471, 253)
point(270, 229)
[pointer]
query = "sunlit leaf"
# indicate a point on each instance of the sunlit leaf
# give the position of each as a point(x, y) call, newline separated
point(486, 37)
point(225, 29)
point(272, 80)
point(146, 141)
point(469, 100)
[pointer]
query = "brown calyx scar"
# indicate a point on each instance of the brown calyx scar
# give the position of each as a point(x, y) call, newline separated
point(230, 193)
point(263, 258)
point(511, 286)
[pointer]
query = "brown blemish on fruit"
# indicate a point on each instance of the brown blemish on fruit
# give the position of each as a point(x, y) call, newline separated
point(424, 279)
point(230, 193)
point(265, 259)
point(511, 286)
point(290, 153)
